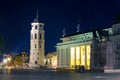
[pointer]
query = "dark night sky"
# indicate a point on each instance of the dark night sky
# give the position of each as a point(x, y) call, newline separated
point(16, 17)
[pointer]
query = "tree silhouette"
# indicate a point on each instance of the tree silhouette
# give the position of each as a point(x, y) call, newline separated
point(2, 44)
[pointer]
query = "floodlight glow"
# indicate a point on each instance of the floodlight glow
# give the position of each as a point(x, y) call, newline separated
point(5, 61)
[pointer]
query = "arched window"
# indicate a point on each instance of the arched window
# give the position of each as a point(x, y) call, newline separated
point(37, 53)
point(40, 36)
point(40, 46)
point(35, 36)
point(35, 26)
point(35, 46)
point(40, 26)
point(35, 62)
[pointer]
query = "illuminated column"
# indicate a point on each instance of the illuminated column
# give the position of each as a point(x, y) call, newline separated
point(88, 56)
point(67, 57)
point(64, 57)
point(59, 57)
point(85, 56)
point(82, 48)
point(72, 54)
point(77, 55)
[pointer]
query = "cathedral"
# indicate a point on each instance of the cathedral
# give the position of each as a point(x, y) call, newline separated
point(37, 42)
point(97, 49)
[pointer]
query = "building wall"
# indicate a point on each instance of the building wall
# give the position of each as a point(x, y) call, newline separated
point(116, 44)
point(51, 60)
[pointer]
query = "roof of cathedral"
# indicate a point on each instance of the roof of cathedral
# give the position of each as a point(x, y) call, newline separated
point(94, 29)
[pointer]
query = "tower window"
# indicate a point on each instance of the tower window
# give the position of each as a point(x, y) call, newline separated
point(38, 53)
point(35, 26)
point(40, 27)
point(35, 36)
point(40, 36)
point(35, 46)
point(35, 62)
point(39, 46)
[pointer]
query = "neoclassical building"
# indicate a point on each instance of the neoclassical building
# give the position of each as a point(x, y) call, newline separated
point(37, 42)
point(97, 49)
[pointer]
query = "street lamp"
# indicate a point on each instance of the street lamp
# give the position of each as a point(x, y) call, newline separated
point(5, 61)
point(8, 59)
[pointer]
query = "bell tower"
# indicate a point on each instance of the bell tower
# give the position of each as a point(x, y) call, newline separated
point(37, 41)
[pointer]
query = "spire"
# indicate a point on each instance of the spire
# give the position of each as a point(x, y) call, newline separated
point(37, 18)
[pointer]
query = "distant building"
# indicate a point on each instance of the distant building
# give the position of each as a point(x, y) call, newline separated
point(98, 49)
point(37, 44)
point(51, 60)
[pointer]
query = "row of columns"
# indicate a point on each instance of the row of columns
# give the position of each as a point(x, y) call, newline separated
point(80, 56)
point(72, 56)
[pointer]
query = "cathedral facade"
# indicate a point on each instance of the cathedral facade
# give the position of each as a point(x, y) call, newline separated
point(37, 41)
point(98, 49)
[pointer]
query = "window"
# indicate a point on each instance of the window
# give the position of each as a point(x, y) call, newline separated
point(35, 62)
point(40, 36)
point(35, 36)
point(118, 30)
point(38, 53)
point(35, 46)
point(39, 46)
point(40, 26)
point(35, 26)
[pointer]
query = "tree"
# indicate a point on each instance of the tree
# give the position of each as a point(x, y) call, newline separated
point(18, 60)
point(2, 44)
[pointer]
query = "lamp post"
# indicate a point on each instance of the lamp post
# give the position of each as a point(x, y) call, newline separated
point(6, 61)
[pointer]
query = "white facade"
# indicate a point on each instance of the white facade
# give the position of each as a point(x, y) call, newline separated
point(74, 50)
point(77, 49)
point(37, 44)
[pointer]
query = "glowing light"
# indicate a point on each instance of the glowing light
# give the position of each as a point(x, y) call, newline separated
point(9, 59)
point(5, 61)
